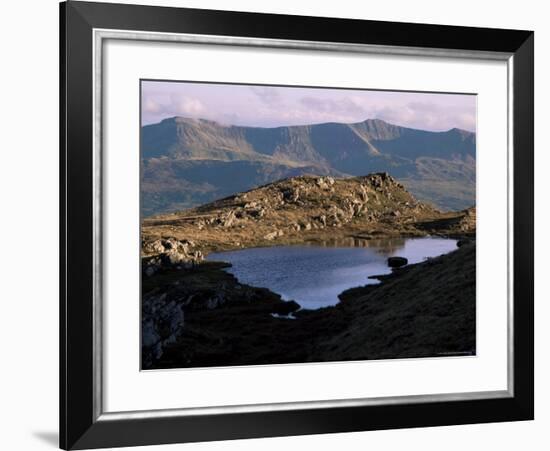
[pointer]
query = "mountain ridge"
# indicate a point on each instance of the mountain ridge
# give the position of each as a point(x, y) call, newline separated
point(193, 120)
point(438, 167)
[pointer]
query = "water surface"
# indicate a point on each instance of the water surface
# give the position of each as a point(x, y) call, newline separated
point(314, 275)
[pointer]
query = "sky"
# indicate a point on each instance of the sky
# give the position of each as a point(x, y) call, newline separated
point(273, 106)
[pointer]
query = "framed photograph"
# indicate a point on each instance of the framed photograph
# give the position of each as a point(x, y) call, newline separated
point(281, 225)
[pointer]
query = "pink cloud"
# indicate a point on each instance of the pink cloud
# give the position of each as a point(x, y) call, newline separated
point(269, 106)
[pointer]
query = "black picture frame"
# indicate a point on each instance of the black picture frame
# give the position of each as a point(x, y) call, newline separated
point(80, 426)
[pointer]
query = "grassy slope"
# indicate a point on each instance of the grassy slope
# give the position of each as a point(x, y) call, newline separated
point(424, 310)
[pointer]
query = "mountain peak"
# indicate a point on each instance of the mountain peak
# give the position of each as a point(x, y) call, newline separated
point(378, 129)
point(195, 121)
point(376, 121)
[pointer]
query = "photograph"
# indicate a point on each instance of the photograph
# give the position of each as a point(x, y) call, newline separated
point(274, 225)
point(301, 224)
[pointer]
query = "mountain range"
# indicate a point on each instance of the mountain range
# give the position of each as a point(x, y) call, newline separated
point(188, 162)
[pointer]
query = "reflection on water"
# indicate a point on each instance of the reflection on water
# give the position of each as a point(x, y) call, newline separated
point(315, 274)
point(385, 246)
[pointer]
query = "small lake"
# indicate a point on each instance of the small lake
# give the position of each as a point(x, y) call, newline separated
point(314, 275)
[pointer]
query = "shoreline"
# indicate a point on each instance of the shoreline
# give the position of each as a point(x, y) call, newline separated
point(311, 239)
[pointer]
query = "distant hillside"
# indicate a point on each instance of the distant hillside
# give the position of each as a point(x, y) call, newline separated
point(187, 162)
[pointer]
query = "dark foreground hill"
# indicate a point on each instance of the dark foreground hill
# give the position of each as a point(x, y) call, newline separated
point(188, 162)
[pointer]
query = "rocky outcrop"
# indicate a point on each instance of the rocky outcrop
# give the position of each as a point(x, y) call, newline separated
point(162, 323)
point(468, 220)
point(461, 224)
point(169, 252)
point(174, 307)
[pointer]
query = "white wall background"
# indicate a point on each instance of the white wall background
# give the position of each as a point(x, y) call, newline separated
point(29, 225)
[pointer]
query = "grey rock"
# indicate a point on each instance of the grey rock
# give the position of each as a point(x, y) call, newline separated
point(271, 236)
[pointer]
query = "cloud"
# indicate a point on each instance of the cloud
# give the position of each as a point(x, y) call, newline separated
point(182, 106)
point(268, 95)
point(160, 107)
point(428, 115)
point(272, 106)
point(344, 106)
point(151, 106)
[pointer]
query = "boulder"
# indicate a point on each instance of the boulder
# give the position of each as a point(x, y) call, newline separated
point(157, 246)
point(271, 236)
point(322, 183)
point(397, 262)
point(173, 253)
point(227, 220)
point(363, 193)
